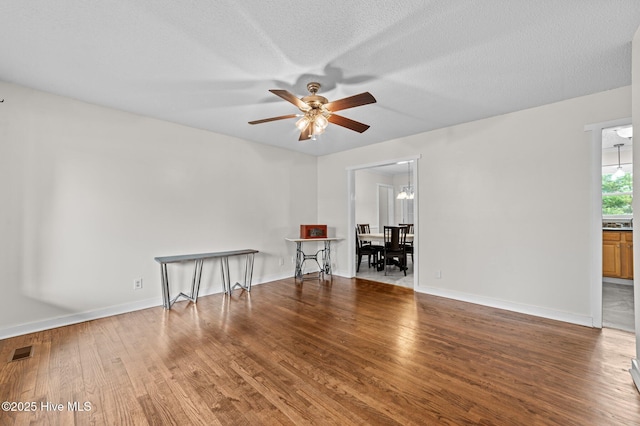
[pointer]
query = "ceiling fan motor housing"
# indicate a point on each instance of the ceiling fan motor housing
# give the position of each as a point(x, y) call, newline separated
point(313, 100)
point(313, 87)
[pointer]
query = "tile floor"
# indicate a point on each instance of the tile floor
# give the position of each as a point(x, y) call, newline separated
point(394, 274)
point(617, 306)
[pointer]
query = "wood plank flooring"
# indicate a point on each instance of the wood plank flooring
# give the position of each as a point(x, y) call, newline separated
point(346, 352)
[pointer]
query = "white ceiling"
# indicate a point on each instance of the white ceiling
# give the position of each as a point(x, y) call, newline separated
point(610, 139)
point(209, 65)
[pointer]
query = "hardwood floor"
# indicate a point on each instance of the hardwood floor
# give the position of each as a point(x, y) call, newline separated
point(350, 352)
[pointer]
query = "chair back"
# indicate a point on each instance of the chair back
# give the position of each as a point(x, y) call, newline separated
point(409, 227)
point(364, 228)
point(395, 237)
point(358, 242)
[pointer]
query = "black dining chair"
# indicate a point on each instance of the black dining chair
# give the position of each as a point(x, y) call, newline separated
point(364, 228)
point(395, 247)
point(369, 250)
point(409, 227)
point(409, 247)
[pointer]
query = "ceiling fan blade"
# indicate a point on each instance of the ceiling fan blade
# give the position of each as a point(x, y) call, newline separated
point(306, 133)
point(351, 102)
point(290, 97)
point(348, 123)
point(266, 120)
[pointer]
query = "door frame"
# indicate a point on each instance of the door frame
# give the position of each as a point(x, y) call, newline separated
point(351, 211)
point(595, 228)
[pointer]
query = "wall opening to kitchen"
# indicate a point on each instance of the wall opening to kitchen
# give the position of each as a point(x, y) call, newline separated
point(617, 228)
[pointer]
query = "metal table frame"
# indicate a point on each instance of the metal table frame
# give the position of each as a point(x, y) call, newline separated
point(302, 257)
point(199, 259)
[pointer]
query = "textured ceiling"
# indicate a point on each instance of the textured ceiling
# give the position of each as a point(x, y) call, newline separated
point(209, 64)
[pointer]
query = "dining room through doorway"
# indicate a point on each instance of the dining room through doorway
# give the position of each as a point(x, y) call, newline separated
point(384, 195)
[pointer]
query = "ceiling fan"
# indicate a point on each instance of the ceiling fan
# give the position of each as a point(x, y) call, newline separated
point(318, 112)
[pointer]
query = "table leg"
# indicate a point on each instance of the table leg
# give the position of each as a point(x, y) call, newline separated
point(320, 267)
point(248, 274)
point(326, 264)
point(164, 277)
point(248, 271)
point(195, 284)
point(226, 280)
point(299, 261)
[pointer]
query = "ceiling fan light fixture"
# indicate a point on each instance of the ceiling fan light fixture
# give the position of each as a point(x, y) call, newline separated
point(321, 121)
point(303, 123)
point(317, 130)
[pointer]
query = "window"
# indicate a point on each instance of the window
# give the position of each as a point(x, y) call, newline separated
point(617, 194)
point(617, 171)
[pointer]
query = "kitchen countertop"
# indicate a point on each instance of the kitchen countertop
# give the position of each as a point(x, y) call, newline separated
point(617, 229)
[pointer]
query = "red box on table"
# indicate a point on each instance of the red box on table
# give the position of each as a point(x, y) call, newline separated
point(313, 231)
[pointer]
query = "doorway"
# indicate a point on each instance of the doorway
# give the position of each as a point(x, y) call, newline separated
point(617, 228)
point(378, 205)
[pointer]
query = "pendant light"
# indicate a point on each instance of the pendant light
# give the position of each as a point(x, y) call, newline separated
point(619, 173)
point(407, 191)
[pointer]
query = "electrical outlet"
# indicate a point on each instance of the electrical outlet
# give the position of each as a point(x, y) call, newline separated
point(281, 261)
point(137, 284)
point(438, 274)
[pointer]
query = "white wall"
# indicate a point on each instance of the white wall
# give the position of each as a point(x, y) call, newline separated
point(366, 202)
point(91, 195)
point(503, 205)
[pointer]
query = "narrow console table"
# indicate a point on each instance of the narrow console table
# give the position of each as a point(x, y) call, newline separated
point(324, 263)
point(198, 260)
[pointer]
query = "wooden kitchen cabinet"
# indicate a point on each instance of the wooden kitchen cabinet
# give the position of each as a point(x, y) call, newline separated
point(617, 254)
point(626, 257)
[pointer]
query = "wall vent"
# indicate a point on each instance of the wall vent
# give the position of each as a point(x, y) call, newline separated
point(22, 353)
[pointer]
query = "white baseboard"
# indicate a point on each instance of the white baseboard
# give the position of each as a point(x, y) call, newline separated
point(79, 317)
point(510, 306)
point(150, 303)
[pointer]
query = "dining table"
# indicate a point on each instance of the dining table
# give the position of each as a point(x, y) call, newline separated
point(378, 238)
